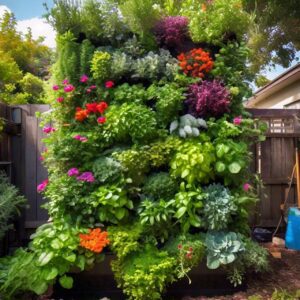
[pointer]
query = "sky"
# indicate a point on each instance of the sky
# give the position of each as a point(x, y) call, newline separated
point(29, 14)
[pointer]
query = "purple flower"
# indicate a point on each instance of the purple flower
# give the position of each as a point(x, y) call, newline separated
point(69, 88)
point(171, 31)
point(55, 87)
point(80, 138)
point(73, 172)
point(246, 187)
point(65, 82)
point(42, 186)
point(84, 78)
point(48, 129)
point(86, 176)
point(208, 99)
point(237, 120)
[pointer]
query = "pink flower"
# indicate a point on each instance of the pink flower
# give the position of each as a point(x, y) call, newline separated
point(48, 129)
point(101, 120)
point(73, 172)
point(80, 138)
point(55, 87)
point(86, 176)
point(93, 87)
point(109, 84)
point(237, 120)
point(42, 186)
point(69, 88)
point(88, 91)
point(246, 187)
point(60, 99)
point(65, 82)
point(41, 158)
point(84, 78)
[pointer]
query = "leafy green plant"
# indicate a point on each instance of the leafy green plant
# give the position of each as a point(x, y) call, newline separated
point(222, 248)
point(126, 93)
point(112, 203)
point(145, 273)
point(160, 186)
point(188, 205)
point(101, 65)
point(106, 169)
point(188, 126)
point(10, 203)
point(218, 207)
point(194, 160)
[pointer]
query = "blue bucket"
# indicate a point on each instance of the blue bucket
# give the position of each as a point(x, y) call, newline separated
point(292, 237)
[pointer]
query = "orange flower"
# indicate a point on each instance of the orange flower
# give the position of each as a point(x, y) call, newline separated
point(81, 114)
point(195, 63)
point(95, 240)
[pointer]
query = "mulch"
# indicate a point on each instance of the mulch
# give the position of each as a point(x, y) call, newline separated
point(284, 273)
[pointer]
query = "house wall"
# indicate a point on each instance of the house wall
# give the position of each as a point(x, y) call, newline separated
point(282, 98)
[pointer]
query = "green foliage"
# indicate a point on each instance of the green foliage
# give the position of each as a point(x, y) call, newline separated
point(218, 207)
point(285, 295)
point(188, 204)
point(160, 186)
point(194, 160)
point(106, 169)
point(126, 93)
point(187, 126)
point(86, 56)
point(101, 65)
point(10, 203)
point(169, 101)
point(125, 239)
point(222, 248)
point(144, 274)
point(112, 203)
point(217, 21)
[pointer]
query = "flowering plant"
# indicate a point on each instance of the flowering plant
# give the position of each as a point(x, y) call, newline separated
point(196, 63)
point(95, 240)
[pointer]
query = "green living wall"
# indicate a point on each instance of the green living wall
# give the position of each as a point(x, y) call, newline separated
point(149, 155)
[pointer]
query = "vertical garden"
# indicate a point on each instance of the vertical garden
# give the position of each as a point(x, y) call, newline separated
point(147, 147)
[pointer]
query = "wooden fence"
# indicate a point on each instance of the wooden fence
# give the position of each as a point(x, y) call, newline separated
point(21, 147)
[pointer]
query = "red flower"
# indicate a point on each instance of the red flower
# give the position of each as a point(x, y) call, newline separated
point(109, 84)
point(101, 120)
point(101, 107)
point(91, 107)
point(81, 114)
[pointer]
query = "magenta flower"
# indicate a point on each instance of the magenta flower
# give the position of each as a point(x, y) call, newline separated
point(65, 82)
point(60, 99)
point(237, 120)
point(69, 88)
point(55, 87)
point(80, 138)
point(109, 84)
point(101, 120)
point(88, 91)
point(246, 187)
point(48, 129)
point(73, 172)
point(93, 87)
point(84, 78)
point(42, 186)
point(86, 176)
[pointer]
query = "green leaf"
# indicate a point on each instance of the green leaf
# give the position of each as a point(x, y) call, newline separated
point(212, 263)
point(56, 244)
point(45, 258)
point(180, 212)
point(185, 173)
point(39, 287)
point(234, 168)
point(81, 262)
point(120, 213)
point(220, 167)
point(70, 257)
point(66, 282)
point(51, 274)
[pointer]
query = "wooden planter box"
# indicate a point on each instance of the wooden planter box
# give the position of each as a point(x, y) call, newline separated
point(99, 282)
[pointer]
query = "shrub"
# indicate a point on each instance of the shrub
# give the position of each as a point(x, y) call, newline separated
point(101, 65)
point(208, 99)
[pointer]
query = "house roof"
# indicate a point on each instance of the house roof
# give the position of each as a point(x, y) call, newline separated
point(286, 78)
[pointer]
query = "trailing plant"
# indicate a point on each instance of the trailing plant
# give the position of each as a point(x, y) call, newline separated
point(194, 160)
point(10, 203)
point(208, 99)
point(219, 206)
point(188, 126)
point(160, 186)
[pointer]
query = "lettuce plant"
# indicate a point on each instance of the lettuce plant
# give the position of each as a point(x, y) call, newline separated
point(208, 99)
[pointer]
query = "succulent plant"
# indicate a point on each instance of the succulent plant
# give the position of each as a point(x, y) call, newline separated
point(187, 126)
point(222, 248)
point(218, 207)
